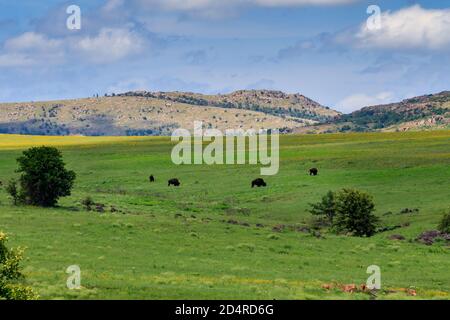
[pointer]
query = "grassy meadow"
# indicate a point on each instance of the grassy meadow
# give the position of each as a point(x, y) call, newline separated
point(176, 243)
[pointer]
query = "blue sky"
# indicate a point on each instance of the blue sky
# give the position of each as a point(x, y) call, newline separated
point(323, 49)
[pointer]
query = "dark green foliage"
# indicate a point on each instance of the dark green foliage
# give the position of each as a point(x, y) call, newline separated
point(354, 213)
point(13, 190)
point(345, 128)
point(348, 211)
point(444, 225)
point(280, 112)
point(379, 119)
point(327, 207)
point(44, 178)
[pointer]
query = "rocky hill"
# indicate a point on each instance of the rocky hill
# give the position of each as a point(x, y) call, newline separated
point(158, 113)
point(419, 113)
point(276, 103)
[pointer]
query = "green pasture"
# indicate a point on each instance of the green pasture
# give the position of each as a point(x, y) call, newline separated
point(178, 243)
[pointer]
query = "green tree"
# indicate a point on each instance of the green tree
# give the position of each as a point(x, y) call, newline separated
point(11, 278)
point(44, 177)
point(354, 213)
point(326, 207)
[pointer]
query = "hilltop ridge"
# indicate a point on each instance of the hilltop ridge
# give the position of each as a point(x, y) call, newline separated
point(426, 112)
point(141, 113)
point(158, 113)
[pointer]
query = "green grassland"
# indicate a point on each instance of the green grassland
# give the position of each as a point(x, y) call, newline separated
point(175, 243)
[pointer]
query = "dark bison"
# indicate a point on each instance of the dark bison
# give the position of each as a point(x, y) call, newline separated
point(259, 183)
point(313, 172)
point(174, 182)
point(152, 178)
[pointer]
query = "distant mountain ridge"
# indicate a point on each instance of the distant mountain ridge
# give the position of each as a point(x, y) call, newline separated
point(159, 113)
point(272, 102)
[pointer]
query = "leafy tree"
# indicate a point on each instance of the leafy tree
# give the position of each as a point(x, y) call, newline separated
point(44, 177)
point(327, 207)
point(444, 225)
point(354, 213)
point(11, 278)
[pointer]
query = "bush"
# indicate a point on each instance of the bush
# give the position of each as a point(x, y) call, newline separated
point(327, 207)
point(354, 213)
point(444, 225)
point(11, 278)
point(44, 178)
point(13, 191)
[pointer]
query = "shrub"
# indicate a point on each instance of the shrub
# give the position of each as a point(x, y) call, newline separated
point(44, 177)
point(327, 207)
point(11, 277)
point(13, 191)
point(354, 213)
point(444, 225)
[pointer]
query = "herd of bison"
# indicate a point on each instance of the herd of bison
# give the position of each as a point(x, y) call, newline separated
point(255, 183)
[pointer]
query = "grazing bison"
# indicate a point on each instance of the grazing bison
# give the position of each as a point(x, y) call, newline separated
point(259, 183)
point(152, 178)
point(174, 182)
point(313, 172)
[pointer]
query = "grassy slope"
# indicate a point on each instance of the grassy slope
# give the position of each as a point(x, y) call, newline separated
point(117, 115)
point(149, 253)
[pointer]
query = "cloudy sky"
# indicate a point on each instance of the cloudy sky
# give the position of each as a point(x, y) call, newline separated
point(336, 52)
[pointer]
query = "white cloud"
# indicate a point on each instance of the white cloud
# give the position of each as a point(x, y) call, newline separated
point(32, 41)
point(360, 100)
point(110, 45)
point(16, 60)
point(409, 28)
point(29, 49)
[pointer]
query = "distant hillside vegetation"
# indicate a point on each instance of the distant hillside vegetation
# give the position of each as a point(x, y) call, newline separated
point(159, 113)
point(419, 113)
point(143, 113)
point(275, 103)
